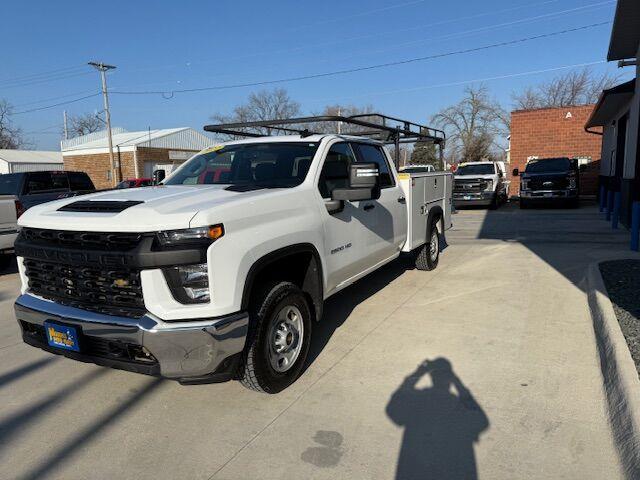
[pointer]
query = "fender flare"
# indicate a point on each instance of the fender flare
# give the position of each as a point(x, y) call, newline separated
point(313, 283)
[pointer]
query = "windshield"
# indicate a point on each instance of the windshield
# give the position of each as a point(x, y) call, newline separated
point(477, 169)
point(548, 165)
point(9, 184)
point(253, 165)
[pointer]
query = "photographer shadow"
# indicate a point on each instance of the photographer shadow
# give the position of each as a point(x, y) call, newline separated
point(440, 427)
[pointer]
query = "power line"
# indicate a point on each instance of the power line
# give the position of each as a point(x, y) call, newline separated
point(44, 80)
point(395, 46)
point(57, 104)
point(465, 82)
point(171, 93)
point(44, 100)
point(359, 37)
point(42, 74)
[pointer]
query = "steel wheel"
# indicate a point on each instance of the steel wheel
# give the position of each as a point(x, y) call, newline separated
point(285, 338)
point(434, 245)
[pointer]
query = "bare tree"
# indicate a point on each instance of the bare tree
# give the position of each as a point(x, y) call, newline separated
point(262, 105)
point(474, 126)
point(79, 125)
point(10, 136)
point(577, 87)
point(345, 111)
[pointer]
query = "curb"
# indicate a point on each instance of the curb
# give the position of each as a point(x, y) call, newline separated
point(619, 374)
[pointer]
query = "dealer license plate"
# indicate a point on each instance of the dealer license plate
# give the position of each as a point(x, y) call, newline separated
point(62, 336)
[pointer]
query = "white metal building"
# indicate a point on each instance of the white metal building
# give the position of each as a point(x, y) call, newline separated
point(14, 161)
point(137, 154)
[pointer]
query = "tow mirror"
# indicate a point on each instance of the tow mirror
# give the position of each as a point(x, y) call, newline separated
point(364, 183)
point(158, 176)
point(515, 172)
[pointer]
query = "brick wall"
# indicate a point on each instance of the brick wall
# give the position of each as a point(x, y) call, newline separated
point(98, 165)
point(550, 132)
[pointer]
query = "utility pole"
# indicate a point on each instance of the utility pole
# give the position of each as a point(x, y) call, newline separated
point(102, 68)
point(66, 130)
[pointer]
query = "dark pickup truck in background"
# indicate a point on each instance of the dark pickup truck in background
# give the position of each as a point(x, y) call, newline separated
point(34, 188)
point(550, 181)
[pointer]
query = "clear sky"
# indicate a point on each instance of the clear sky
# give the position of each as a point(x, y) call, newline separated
point(166, 45)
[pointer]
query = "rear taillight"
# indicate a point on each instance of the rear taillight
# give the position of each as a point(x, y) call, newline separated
point(19, 209)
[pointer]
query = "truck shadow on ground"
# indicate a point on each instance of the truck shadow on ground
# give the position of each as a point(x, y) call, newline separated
point(339, 306)
point(440, 427)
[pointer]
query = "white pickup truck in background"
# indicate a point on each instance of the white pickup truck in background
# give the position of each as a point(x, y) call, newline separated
point(480, 183)
point(10, 209)
point(222, 271)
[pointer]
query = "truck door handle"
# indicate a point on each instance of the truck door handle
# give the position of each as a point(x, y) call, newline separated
point(402, 200)
point(369, 207)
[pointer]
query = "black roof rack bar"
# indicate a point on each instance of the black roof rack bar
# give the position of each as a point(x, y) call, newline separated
point(404, 132)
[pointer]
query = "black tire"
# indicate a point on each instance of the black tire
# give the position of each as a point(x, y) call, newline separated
point(523, 204)
point(424, 260)
point(256, 371)
point(494, 202)
point(574, 203)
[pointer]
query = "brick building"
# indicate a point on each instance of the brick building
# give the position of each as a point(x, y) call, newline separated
point(618, 113)
point(555, 132)
point(137, 154)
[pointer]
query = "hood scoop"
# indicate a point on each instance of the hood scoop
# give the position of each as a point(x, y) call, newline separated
point(101, 206)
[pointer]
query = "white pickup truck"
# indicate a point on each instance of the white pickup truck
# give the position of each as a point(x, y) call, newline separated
point(221, 271)
point(480, 183)
point(10, 210)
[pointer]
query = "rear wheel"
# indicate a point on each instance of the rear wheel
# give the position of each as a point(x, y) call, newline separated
point(427, 256)
point(278, 340)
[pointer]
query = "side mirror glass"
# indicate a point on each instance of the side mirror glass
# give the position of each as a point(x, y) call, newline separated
point(158, 176)
point(515, 172)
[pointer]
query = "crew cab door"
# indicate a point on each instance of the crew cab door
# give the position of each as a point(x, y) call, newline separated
point(346, 237)
point(388, 231)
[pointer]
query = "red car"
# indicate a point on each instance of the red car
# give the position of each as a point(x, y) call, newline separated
point(135, 183)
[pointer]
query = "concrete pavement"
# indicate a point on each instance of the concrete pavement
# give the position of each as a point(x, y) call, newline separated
point(485, 367)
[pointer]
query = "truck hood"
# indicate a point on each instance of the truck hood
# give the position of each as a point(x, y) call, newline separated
point(159, 208)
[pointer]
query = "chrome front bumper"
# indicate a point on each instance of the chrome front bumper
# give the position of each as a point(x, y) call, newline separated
point(546, 194)
point(189, 351)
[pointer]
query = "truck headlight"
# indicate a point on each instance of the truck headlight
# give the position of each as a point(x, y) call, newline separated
point(189, 283)
point(199, 235)
point(489, 185)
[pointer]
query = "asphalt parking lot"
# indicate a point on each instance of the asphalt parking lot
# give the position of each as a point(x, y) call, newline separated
point(486, 367)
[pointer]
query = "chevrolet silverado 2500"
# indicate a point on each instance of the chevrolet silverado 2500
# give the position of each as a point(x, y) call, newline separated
point(221, 271)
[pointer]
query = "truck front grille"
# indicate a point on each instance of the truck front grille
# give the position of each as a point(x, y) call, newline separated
point(83, 240)
point(97, 289)
point(548, 183)
point(469, 186)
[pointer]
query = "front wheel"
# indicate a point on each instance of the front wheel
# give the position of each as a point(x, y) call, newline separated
point(428, 255)
point(278, 342)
